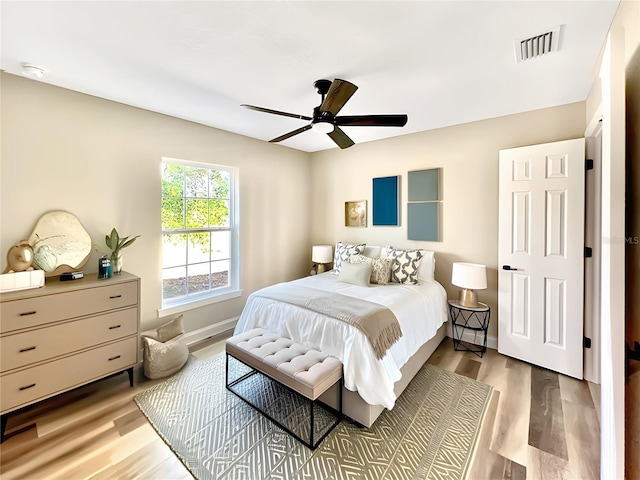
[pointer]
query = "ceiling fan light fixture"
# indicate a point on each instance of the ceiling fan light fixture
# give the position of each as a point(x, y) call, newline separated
point(323, 127)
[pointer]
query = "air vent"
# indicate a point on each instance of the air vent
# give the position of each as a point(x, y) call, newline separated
point(538, 45)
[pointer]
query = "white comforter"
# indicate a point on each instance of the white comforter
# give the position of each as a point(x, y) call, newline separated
point(420, 310)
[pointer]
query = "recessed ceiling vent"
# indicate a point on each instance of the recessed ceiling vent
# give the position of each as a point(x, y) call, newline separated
point(538, 45)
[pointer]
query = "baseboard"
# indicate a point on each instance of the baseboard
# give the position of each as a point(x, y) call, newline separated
point(210, 330)
point(475, 337)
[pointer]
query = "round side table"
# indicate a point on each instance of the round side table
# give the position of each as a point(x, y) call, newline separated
point(464, 318)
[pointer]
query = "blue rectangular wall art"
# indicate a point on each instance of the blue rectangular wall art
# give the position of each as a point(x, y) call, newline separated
point(422, 220)
point(386, 201)
point(423, 207)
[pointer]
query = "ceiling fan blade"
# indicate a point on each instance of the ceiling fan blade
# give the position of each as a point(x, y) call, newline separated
point(372, 121)
point(275, 112)
point(339, 93)
point(290, 134)
point(341, 138)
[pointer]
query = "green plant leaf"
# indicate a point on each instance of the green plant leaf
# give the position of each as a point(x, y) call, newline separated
point(127, 243)
point(115, 238)
point(107, 240)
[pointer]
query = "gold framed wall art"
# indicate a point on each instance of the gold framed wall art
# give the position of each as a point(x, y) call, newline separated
point(355, 213)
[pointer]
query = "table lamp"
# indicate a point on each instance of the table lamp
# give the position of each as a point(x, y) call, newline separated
point(469, 277)
point(321, 254)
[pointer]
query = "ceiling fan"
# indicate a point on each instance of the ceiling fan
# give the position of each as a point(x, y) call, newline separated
point(325, 120)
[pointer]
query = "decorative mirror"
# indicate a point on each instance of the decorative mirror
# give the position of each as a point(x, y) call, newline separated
point(58, 244)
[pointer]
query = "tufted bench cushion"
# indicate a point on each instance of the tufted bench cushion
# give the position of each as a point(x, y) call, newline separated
point(303, 369)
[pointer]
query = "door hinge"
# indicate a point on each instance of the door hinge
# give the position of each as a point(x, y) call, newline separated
point(588, 252)
point(588, 164)
point(586, 341)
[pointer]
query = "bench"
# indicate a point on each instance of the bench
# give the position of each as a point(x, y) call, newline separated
point(300, 369)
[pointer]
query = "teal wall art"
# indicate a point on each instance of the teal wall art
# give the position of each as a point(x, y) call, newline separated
point(386, 201)
point(423, 207)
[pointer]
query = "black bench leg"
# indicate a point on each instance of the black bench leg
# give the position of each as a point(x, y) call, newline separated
point(3, 425)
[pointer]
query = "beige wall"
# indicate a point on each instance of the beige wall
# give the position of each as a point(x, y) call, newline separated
point(468, 156)
point(100, 160)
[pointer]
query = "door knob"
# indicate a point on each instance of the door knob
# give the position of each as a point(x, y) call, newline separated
point(508, 267)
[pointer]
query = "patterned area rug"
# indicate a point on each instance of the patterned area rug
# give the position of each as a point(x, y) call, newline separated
point(430, 433)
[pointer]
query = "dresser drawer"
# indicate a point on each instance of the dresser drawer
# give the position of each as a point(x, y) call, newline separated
point(31, 312)
point(25, 348)
point(27, 386)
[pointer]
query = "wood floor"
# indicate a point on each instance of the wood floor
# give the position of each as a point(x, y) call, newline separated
point(540, 425)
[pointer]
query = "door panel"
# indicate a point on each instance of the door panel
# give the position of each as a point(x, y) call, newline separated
point(541, 240)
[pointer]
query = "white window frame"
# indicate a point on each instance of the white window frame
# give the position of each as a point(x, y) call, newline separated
point(232, 290)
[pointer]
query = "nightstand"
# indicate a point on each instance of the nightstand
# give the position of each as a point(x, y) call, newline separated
point(464, 318)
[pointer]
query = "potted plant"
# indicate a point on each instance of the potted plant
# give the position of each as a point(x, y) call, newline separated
point(117, 244)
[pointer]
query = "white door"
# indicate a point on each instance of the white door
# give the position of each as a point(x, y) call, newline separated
point(541, 255)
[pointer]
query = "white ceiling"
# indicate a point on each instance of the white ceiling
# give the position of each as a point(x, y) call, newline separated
point(442, 63)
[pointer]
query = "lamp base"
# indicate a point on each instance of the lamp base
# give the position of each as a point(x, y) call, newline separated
point(468, 298)
point(321, 268)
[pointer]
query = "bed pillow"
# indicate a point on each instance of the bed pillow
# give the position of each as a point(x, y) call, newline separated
point(372, 251)
point(355, 273)
point(380, 268)
point(427, 268)
point(343, 253)
point(405, 265)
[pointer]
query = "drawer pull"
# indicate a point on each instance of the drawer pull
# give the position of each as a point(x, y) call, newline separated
point(115, 296)
point(114, 358)
point(27, 349)
point(28, 387)
point(113, 327)
point(28, 313)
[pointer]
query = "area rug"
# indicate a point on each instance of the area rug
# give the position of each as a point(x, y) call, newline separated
point(430, 433)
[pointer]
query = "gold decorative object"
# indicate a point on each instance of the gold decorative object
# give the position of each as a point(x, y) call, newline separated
point(20, 256)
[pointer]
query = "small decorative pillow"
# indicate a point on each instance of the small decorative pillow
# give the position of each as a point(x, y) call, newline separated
point(405, 265)
point(170, 330)
point(343, 252)
point(164, 359)
point(356, 273)
point(380, 268)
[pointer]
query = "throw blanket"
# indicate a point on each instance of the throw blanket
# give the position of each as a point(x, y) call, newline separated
point(377, 322)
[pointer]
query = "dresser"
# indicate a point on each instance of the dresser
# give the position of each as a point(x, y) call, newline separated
point(64, 335)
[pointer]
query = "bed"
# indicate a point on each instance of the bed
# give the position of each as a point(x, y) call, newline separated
point(372, 380)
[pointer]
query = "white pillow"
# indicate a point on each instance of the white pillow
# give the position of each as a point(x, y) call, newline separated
point(343, 252)
point(164, 359)
point(427, 268)
point(372, 251)
point(380, 268)
point(355, 273)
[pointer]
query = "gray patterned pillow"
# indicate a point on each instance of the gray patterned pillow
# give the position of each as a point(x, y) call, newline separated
point(380, 268)
point(405, 265)
point(343, 253)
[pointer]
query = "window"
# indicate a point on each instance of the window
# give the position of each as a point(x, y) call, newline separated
point(200, 241)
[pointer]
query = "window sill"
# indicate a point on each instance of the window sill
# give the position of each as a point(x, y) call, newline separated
point(185, 305)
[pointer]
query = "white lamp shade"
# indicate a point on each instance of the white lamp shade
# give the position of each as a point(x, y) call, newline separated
point(322, 254)
point(469, 275)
